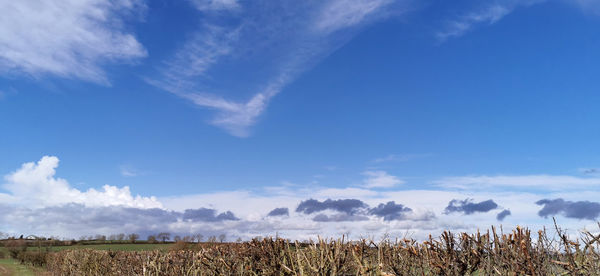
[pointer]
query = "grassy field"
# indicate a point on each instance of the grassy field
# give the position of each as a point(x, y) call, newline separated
point(113, 247)
point(9, 266)
point(12, 267)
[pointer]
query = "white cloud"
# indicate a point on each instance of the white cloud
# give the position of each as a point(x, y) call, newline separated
point(342, 14)
point(69, 39)
point(592, 6)
point(38, 202)
point(214, 5)
point(34, 185)
point(269, 48)
point(380, 179)
point(130, 171)
point(543, 182)
point(400, 157)
point(489, 14)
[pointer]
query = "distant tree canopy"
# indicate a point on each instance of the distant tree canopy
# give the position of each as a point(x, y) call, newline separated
point(151, 239)
point(163, 236)
point(133, 237)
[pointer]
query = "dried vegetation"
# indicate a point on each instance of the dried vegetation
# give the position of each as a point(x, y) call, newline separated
point(519, 252)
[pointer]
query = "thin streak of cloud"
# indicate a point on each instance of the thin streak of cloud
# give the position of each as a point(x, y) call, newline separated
point(489, 14)
point(399, 157)
point(286, 38)
point(380, 179)
point(546, 182)
point(216, 5)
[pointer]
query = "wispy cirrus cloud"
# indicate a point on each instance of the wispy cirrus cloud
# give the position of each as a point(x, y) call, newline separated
point(542, 181)
point(380, 179)
point(69, 39)
point(400, 157)
point(484, 13)
point(268, 46)
point(216, 5)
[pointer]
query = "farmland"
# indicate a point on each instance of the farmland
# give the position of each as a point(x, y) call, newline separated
point(517, 252)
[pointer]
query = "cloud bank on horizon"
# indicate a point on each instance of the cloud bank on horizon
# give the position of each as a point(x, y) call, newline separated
point(38, 202)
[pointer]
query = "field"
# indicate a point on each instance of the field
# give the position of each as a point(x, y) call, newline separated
point(11, 266)
point(518, 252)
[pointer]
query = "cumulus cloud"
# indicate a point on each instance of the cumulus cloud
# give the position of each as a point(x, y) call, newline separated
point(570, 209)
point(206, 214)
point(267, 43)
point(69, 39)
point(347, 206)
point(380, 179)
point(505, 213)
point(390, 211)
point(35, 184)
point(468, 207)
point(72, 220)
point(38, 202)
point(279, 212)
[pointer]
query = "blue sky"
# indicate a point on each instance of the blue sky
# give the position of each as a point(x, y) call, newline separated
point(246, 106)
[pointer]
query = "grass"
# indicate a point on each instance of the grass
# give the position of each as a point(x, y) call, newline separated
point(13, 267)
point(113, 247)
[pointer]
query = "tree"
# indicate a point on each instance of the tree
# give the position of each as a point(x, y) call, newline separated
point(121, 237)
point(222, 237)
point(163, 236)
point(212, 239)
point(133, 237)
point(177, 238)
point(199, 237)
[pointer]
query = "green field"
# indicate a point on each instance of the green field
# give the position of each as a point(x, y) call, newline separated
point(114, 247)
point(12, 267)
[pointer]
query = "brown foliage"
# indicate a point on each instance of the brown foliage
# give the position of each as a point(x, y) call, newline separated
point(490, 253)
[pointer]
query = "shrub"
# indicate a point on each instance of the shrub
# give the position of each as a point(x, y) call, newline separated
point(179, 245)
point(14, 247)
point(32, 258)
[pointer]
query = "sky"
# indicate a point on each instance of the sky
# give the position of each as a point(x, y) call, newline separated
point(365, 118)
